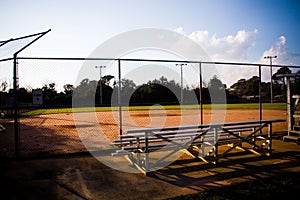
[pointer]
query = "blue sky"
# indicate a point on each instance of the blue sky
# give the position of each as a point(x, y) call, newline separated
point(231, 30)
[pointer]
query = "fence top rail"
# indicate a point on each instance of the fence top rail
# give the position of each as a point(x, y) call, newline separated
point(156, 60)
point(23, 37)
point(5, 59)
point(170, 128)
point(288, 75)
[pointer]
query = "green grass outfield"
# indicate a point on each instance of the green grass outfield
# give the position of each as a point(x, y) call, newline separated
point(246, 106)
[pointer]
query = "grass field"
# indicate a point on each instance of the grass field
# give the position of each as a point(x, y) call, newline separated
point(245, 106)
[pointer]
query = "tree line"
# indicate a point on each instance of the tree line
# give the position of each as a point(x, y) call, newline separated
point(157, 91)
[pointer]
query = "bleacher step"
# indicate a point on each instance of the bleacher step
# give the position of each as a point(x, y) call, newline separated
point(296, 96)
point(292, 138)
point(294, 132)
point(296, 127)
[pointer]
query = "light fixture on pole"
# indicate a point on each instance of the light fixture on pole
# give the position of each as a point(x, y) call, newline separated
point(271, 73)
point(181, 81)
point(100, 82)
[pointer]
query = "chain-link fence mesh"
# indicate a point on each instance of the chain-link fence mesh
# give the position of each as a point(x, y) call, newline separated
point(152, 94)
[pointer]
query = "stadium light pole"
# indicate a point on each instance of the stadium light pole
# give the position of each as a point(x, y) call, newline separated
point(100, 82)
point(181, 81)
point(271, 73)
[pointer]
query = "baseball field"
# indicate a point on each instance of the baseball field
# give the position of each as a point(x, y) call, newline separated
point(60, 131)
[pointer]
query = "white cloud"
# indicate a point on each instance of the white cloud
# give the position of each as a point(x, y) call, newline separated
point(284, 57)
point(227, 48)
point(236, 48)
point(230, 48)
point(180, 30)
point(280, 50)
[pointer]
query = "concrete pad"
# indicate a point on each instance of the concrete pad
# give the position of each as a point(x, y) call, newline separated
point(84, 177)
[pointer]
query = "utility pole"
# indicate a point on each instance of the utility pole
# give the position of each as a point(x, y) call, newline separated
point(271, 74)
point(100, 82)
point(181, 81)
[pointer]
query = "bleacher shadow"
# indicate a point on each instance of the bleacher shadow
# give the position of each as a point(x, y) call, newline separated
point(236, 167)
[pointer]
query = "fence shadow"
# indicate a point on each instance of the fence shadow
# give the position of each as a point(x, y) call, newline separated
point(40, 141)
point(237, 167)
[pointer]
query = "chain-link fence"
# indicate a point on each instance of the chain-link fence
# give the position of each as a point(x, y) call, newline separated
point(51, 105)
point(51, 90)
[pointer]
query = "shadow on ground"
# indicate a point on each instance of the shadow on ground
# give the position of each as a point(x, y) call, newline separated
point(84, 177)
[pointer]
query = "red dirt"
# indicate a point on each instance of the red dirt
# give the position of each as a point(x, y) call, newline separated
point(57, 133)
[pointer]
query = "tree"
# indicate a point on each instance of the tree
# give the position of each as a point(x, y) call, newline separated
point(215, 84)
point(252, 86)
point(3, 86)
point(49, 93)
point(84, 81)
point(24, 95)
point(68, 89)
point(84, 93)
point(127, 87)
point(106, 91)
point(217, 90)
point(282, 70)
point(159, 91)
point(238, 88)
point(106, 79)
point(295, 84)
point(279, 85)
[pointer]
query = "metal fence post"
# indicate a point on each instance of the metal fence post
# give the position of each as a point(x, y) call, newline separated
point(289, 104)
point(16, 106)
point(120, 97)
point(200, 93)
point(259, 91)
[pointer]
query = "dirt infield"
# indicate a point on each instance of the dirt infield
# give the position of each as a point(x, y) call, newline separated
point(59, 134)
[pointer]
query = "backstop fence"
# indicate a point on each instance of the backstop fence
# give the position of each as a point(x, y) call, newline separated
point(50, 105)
